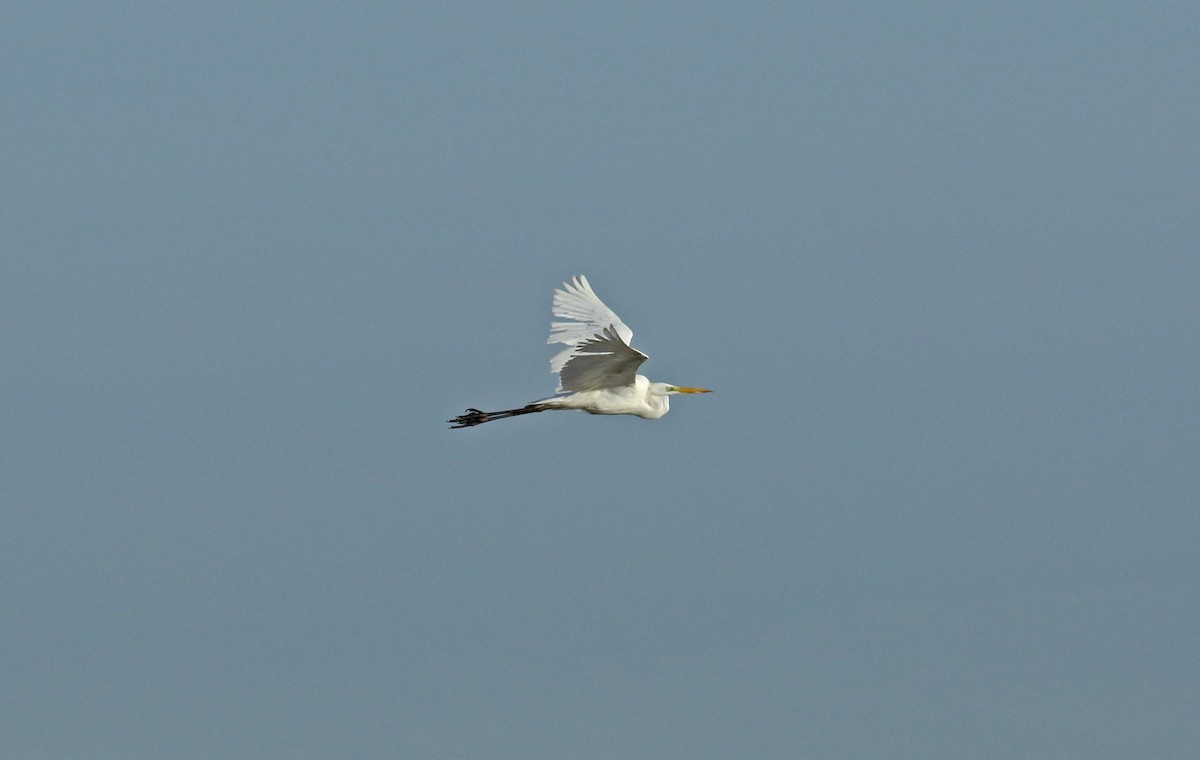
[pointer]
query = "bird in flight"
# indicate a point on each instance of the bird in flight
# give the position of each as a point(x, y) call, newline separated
point(597, 371)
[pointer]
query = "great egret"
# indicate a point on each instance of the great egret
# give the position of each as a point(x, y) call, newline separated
point(597, 371)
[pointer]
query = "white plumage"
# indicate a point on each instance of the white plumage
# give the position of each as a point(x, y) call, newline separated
point(597, 371)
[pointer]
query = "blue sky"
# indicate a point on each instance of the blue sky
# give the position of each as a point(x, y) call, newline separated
point(939, 262)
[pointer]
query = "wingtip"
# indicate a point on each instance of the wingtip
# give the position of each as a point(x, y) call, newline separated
point(570, 286)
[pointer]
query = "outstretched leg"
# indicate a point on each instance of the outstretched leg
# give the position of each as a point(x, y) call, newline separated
point(474, 417)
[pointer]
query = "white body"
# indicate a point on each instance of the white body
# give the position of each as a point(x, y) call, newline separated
point(639, 399)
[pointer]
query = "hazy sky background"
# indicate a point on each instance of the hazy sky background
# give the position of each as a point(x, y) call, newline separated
point(940, 262)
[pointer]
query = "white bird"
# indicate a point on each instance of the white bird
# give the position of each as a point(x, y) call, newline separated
point(597, 371)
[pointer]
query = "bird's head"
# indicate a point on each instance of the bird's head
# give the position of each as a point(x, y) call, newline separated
point(665, 389)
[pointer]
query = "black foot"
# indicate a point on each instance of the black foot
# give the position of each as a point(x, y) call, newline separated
point(472, 417)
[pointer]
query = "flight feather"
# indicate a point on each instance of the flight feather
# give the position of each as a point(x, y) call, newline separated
point(598, 352)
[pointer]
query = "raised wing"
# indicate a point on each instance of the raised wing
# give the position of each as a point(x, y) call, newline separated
point(604, 361)
point(582, 318)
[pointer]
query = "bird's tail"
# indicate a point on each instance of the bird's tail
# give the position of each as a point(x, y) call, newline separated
point(474, 417)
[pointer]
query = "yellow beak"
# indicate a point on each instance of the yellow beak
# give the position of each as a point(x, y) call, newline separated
point(682, 389)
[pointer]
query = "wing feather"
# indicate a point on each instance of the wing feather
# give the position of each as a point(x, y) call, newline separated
point(598, 352)
point(603, 361)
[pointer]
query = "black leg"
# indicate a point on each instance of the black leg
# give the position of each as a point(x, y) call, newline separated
point(474, 417)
